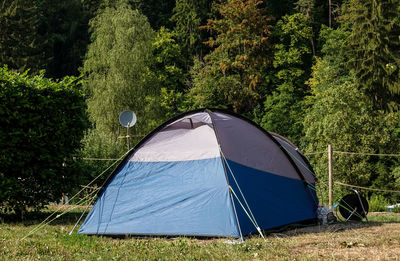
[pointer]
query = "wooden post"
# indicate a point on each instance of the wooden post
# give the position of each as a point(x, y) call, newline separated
point(330, 174)
point(330, 13)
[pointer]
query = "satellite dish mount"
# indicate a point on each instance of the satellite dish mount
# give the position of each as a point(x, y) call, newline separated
point(127, 119)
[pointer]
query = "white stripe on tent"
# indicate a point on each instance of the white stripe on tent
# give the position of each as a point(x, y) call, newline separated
point(180, 142)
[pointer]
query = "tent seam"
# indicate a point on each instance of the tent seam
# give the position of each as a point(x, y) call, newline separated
point(226, 174)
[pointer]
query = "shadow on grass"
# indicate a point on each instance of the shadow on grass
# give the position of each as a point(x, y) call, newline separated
point(56, 213)
point(374, 220)
point(332, 228)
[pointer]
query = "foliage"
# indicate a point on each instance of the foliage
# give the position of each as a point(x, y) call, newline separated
point(117, 67)
point(91, 7)
point(280, 8)
point(283, 108)
point(22, 46)
point(342, 115)
point(64, 24)
point(213, 90)
point(167, 68)
point(231, 75)
point(168, 63)
point(188, 15)
point(305, 6)
point(372, 47)
point(98, 145)
point(396, 174)
point(158, 12)
point(174, 102)
point(315, 13)
point(377, 203)
point(44, 35)
point(292, 53)
point(395, 210)
point(42, 122)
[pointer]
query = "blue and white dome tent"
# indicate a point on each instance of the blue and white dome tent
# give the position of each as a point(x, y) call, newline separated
point(209, 173)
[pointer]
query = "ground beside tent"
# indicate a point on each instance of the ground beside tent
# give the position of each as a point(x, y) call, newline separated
point(377, 240)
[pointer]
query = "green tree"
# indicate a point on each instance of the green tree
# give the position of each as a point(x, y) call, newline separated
point(168, 69)
point(231, 75)
point(43, 122)
point(373, 47)
point(117, 67)
point(284, 107)
point(188, 15)
point(168, 64)
point(92, 6)
point(98, 145)
point(22, 47)
point(64, 23)
point(342, 115)
point(158, 12)
point(45, 35)
point(280, 8)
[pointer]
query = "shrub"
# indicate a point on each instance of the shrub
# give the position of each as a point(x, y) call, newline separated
point(42, 123)
point(395, 210)
point(377, 203)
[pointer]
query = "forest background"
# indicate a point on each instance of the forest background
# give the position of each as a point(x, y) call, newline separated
point(318, 72)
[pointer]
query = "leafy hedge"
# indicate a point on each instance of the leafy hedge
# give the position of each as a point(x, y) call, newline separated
point(42, 123)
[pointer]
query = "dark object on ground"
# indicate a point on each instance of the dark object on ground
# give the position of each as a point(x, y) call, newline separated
point(353, 207)
point(331, 218)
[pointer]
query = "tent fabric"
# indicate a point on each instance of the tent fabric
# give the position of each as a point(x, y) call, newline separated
point(184, 177)
point(251, 147)
point(198, 203)
point(298, 158)
point(179, 144)
point(274, 200)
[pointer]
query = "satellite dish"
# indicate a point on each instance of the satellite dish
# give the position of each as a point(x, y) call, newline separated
point(127, 118)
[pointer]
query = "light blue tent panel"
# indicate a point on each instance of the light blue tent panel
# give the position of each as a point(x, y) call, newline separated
point(168, 198)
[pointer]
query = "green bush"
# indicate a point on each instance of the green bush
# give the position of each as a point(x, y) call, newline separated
point(42, 123)
point(377, 203)
point(395, 210)
point(99, 146)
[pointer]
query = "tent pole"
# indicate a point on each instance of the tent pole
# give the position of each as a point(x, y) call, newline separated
point(226, 175)
point(234, 208)
point(127, 136)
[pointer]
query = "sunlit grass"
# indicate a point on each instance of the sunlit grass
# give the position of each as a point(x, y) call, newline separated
point(379, 238)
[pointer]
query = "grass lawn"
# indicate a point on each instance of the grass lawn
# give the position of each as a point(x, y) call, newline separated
point(377, 240)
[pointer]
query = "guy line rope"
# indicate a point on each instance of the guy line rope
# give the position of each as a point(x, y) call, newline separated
point(93, 193)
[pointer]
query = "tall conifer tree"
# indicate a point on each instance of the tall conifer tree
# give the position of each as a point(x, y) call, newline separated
point(188, 16)
point(231, 75)
point(373, 47)
point(21, 45)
